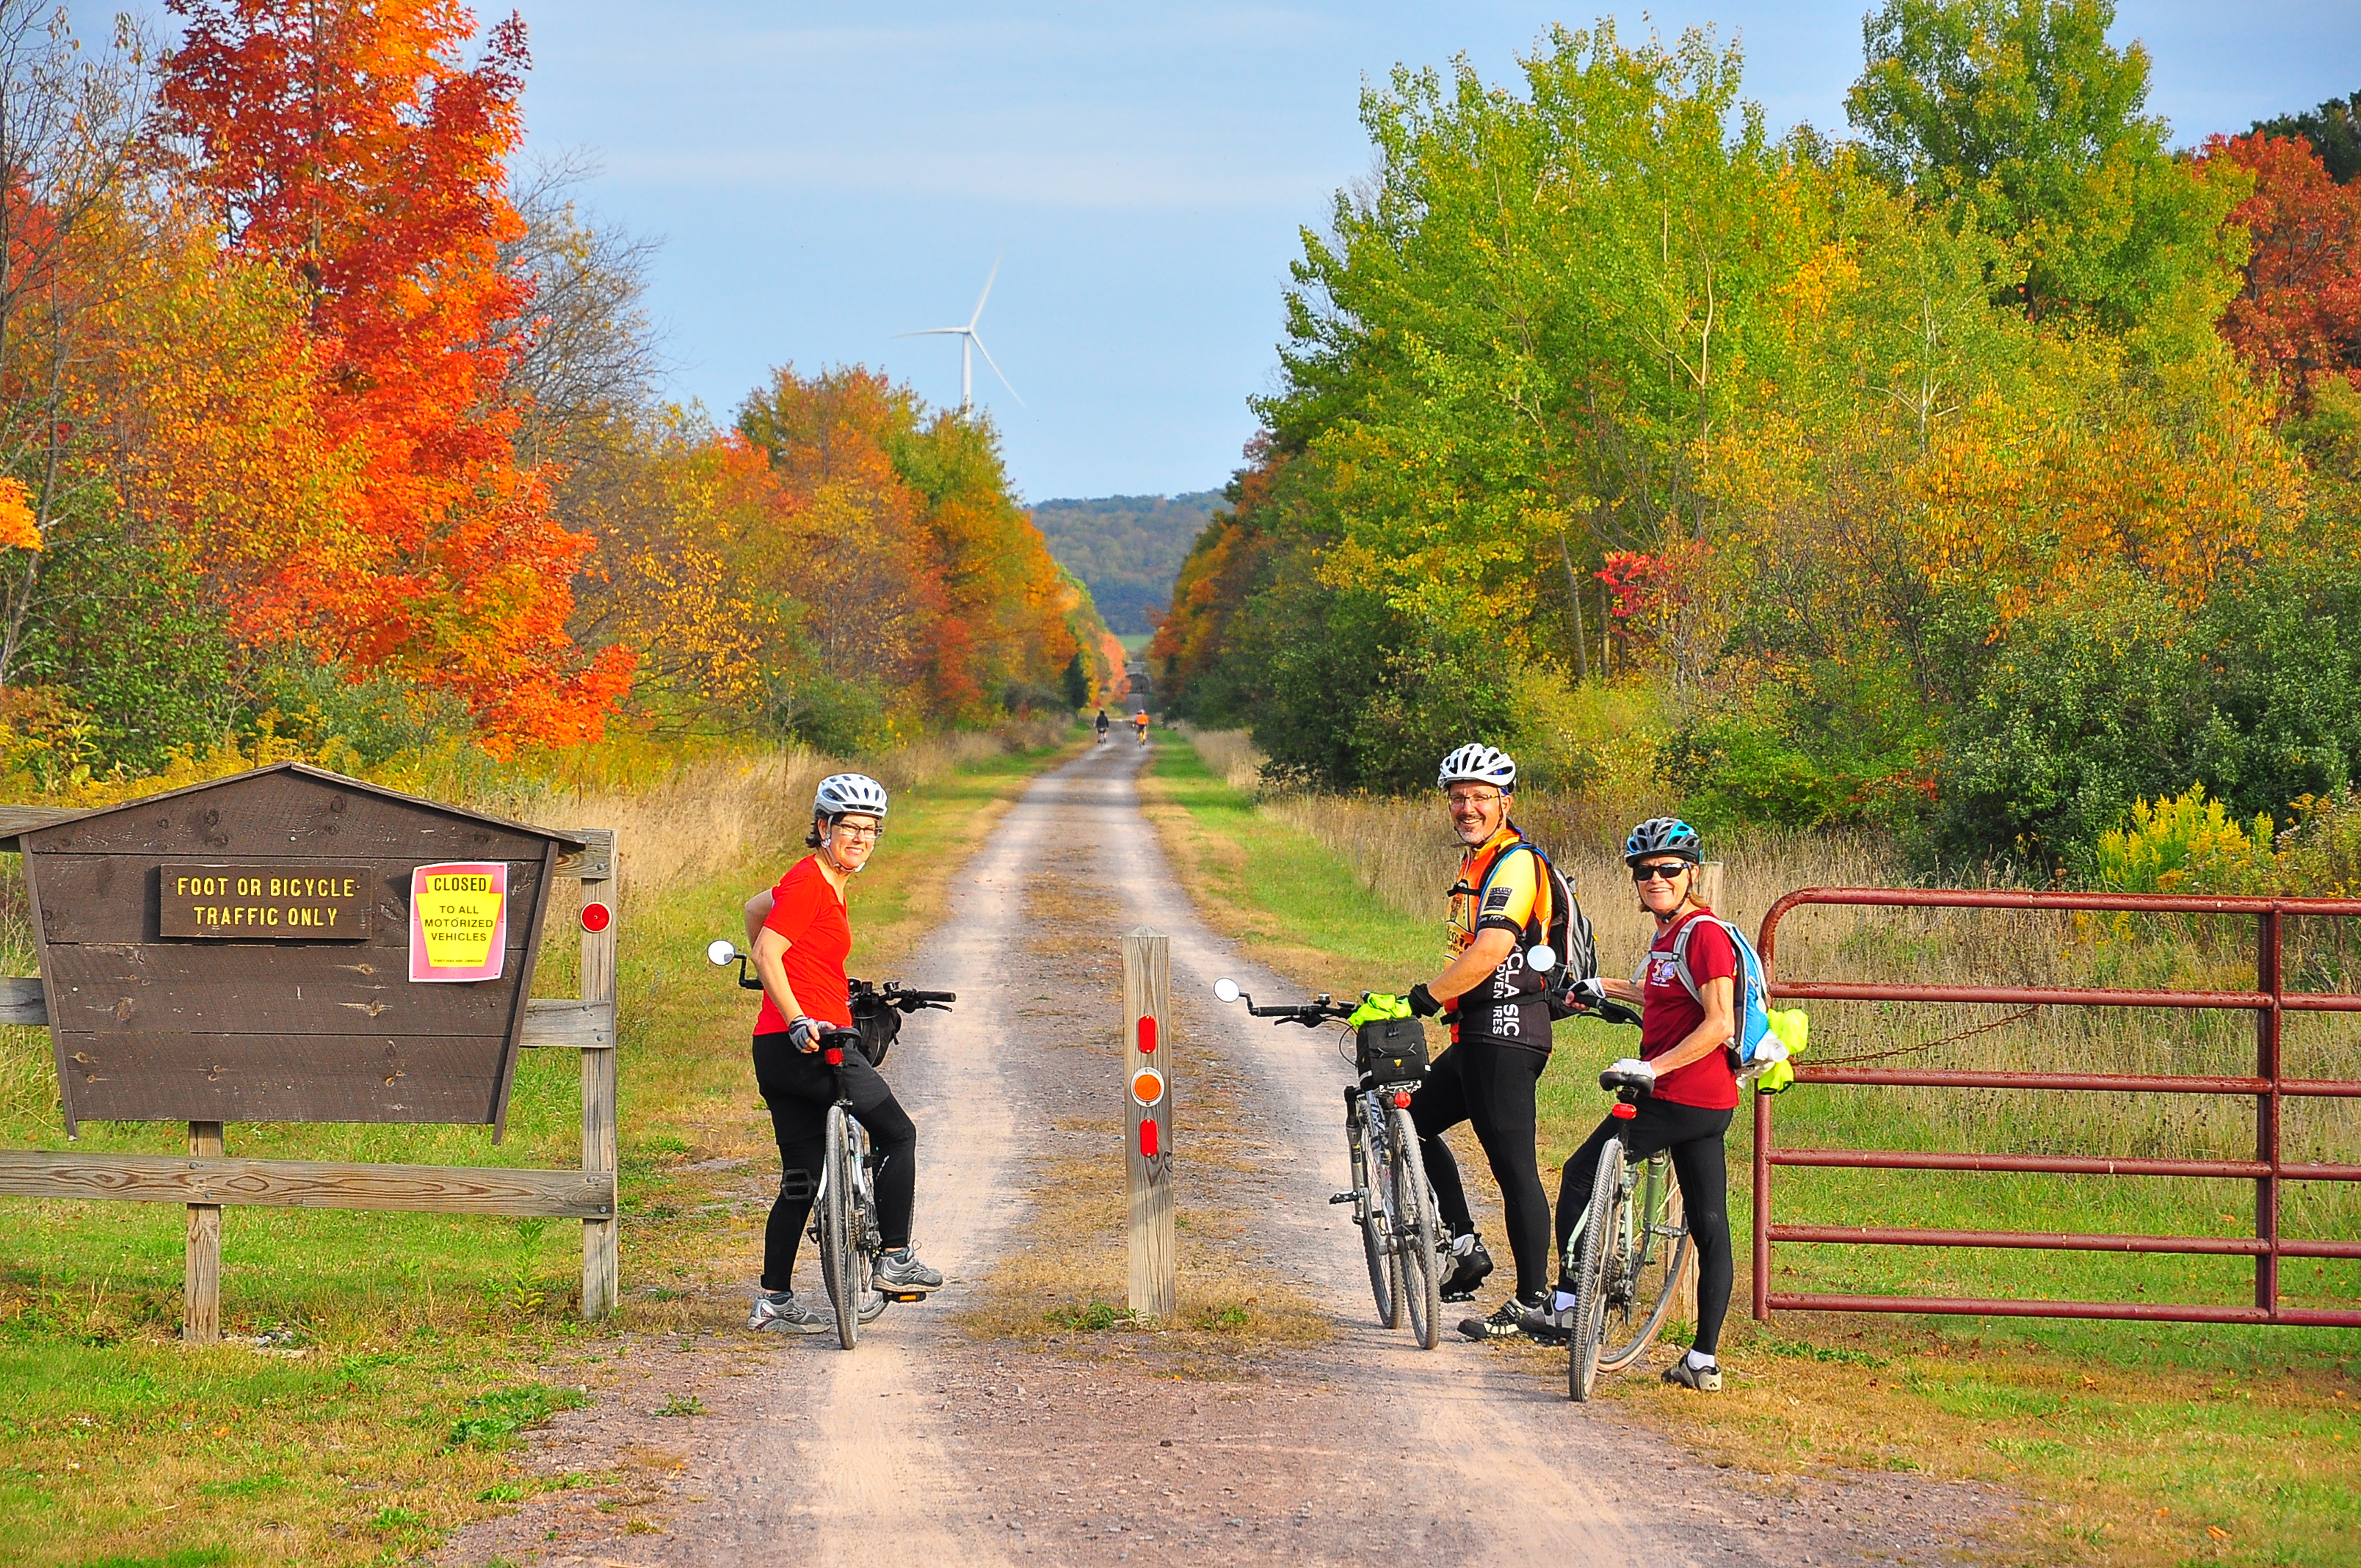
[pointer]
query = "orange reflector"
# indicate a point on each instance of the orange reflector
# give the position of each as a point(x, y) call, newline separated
point(1148, 1137)
point(1148, 1037)
point(1147, 1086)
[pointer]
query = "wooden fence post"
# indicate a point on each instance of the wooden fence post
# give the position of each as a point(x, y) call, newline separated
point(601, 1265)
point(201, 1269)
point(1148, 1100)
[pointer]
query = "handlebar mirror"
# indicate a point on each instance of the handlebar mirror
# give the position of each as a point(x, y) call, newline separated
point(722, 952)
point(1543, 956)
point(1226, 990)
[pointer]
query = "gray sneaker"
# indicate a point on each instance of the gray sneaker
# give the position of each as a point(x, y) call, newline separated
point(781, 1313)
point(1704, 1379)
point(1544, 1326)
point(902, 1271)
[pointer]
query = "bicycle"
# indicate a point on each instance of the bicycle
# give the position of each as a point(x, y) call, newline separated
point(1402, 1227)
point(844, 1209)
point(1629, 1249)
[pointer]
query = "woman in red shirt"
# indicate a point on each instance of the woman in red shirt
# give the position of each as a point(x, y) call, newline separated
point(801, 938)
point(1683, 1039)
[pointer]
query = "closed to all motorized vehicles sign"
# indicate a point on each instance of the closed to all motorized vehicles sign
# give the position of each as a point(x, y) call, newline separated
point(458, 920)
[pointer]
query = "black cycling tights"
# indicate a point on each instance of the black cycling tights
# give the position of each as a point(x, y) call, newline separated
point(1490, 1087)
point(799, 1088)
point(1694, 1137)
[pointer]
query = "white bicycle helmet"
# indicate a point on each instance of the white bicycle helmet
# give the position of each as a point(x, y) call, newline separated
point(841, 792)
point(1479, 763)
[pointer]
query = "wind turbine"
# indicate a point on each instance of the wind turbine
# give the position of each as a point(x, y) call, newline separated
point(969, 341)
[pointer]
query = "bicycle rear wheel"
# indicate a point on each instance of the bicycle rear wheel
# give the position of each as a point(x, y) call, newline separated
point(1369, 1210)
point(1415, 1228)
point(1594, 1260)
point(1660, 1256)
point(839, 1257)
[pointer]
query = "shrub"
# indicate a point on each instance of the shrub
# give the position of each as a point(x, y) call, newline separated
point(2183, 844)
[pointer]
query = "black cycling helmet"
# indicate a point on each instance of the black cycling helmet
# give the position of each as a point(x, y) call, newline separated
point(1663, 836)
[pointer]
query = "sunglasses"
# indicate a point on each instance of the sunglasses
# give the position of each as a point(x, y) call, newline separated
point(1661, 871)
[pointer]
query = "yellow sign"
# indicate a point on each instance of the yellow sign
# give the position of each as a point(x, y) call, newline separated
point(458, 921)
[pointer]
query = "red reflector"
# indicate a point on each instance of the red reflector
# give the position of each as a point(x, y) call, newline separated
point(1148, 1037)
point(1623, 1112)
point(596, 917)
point(1401, 1099)
point(1148, 1137)
point(833, 1055)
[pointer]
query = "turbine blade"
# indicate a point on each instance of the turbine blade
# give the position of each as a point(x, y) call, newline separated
point(986, 294)
point(933, 332)
point(996, 370)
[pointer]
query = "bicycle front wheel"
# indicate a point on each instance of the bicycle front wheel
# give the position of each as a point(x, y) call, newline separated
point(1368, 1209)
point(1415, 1228)
point(840, 1254)
point(1596, 1262)
point(1659, 1255)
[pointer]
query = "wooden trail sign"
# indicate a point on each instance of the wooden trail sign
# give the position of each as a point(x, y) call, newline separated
point(291, 945)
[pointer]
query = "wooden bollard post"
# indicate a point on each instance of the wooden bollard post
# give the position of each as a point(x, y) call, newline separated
point(601, 1263)
point(1148, 1100)
point(201, 1268)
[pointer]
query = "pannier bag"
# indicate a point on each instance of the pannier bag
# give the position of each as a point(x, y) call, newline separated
point(1388, 1044)
point(879, 1021)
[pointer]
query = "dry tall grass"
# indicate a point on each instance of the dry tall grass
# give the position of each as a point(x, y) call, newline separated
point(1403, 851)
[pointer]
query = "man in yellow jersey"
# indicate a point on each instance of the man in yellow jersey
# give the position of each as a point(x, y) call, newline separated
point(1500, 1035)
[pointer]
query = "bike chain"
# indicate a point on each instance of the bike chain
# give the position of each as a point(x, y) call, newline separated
point(1857, 1060)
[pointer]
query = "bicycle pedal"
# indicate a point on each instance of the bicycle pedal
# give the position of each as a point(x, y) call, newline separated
point(903, 1295)
point(1344, 1198)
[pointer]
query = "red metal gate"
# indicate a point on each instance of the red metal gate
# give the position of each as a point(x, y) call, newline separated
point(2269, 1000)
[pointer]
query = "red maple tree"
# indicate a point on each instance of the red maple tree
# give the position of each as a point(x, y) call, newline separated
point(351, 140)
point(2299, 317)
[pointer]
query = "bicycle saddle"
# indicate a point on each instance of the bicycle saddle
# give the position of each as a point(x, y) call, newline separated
point(1627, 1083)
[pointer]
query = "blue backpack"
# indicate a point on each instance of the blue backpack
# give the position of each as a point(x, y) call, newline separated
point(1759, 1045)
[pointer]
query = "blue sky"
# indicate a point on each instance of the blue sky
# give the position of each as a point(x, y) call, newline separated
point(825, 177)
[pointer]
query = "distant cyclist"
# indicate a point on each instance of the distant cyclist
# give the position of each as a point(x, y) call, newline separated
point(1500, 1033)
point(1103, 726)
point(800, 937)
point(1139, 722)
point(1689, 991)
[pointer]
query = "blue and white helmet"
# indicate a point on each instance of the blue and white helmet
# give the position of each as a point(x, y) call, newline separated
point(842, 792)
point(1663, 836)
point(1478, 763)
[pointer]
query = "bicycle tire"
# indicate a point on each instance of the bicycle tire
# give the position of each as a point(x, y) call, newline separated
point(1661, 1225)
point(1374, 1247)
point(1422, 1280)
point(840, 1258)
point(1593, 1259)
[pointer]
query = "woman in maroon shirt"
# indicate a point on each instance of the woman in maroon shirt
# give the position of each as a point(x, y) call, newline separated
point(1685, 1036)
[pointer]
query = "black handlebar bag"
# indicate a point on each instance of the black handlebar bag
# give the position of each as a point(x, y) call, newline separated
point(880, 1023)
point(1390, 1050)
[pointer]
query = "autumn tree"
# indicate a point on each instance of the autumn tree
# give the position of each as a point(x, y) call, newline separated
point(2296, 319)
point(352, 142)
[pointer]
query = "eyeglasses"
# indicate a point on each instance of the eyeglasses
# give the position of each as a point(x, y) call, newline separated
point(873, 830)
point(1472, 797)
point(1661, 871)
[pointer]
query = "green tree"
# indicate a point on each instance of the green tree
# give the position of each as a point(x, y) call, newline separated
point(2018, 118)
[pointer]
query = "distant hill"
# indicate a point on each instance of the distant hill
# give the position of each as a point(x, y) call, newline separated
point(1127, 548)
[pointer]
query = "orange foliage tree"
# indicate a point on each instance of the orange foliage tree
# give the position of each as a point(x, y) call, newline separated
point(2298, 318)
point(349, 141)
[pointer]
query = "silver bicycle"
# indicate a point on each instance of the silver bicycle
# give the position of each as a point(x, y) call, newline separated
point(1626, 1254)
point(1401, 1225)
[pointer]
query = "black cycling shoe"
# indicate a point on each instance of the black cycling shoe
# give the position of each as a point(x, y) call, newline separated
point(1506, 1324)
point(1467, 1272)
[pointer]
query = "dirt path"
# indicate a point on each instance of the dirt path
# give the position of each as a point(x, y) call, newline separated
point(926, 1446)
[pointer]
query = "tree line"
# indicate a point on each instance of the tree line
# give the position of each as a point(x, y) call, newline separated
point(1977, 474)
point(327, 421)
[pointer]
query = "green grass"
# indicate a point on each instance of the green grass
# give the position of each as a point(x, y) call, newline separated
point(2146, 1442)
point(402, 1354)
